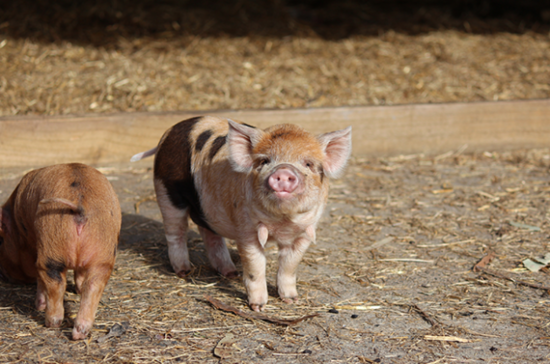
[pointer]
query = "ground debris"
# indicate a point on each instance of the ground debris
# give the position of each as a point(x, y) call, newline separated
point(115, 331)
point(225, 347)
point(422, 313)
point(481, 266)
point(484, 261)
point(257, 316)
point(515, 280)
point(447, 338)
point(538, 264)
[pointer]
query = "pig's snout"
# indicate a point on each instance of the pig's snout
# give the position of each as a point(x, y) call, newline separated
point(284, 181)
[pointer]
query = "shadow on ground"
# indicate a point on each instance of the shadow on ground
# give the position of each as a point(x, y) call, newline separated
point(145, 237)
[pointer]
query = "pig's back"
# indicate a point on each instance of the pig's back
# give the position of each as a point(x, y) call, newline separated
point(185, 152)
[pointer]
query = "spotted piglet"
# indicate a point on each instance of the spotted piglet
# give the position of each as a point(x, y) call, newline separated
point(61, 217)
point(246, 184)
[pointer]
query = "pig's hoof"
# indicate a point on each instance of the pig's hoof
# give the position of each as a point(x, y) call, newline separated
point(289, 299)
point(232, 275)
point(258, 307)
point(53, 322)
point(183, 273)
point(80, 332)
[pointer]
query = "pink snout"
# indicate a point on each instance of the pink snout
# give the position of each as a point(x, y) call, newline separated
point(283, 181)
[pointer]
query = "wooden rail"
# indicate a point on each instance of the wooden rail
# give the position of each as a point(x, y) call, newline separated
point(377, 130)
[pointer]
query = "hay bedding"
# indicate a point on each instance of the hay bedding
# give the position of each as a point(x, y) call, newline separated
point(105, 56)
point(391, 276)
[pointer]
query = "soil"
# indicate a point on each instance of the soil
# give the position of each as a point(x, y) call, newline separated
point(392, 275)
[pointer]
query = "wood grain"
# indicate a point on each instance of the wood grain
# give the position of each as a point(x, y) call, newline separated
point(377, 130)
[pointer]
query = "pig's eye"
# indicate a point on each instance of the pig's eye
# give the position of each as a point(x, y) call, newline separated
point(262, 162)
point(310, 165)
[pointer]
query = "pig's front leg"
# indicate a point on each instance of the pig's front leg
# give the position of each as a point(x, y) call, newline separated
point(253, 260)
point(290, 256)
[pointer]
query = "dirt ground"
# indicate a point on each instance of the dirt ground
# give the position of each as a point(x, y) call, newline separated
point(390, 277)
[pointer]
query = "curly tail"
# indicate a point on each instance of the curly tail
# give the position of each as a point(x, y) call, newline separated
point(76, 208)
point(79, 218)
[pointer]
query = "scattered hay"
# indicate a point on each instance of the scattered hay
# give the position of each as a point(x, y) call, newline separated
point(100, 57)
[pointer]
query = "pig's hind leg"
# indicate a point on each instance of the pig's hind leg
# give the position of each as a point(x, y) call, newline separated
point(175, 228)
point(218, 254)
point(51, 290)
point(92, 282)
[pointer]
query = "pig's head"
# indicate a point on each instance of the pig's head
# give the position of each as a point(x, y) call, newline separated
point(288, 166)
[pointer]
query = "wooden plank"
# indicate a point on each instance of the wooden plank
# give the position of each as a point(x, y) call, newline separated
point(377, 130)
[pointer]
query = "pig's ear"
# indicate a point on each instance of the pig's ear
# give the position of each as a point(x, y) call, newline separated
point(337, 148)
point(241, 140)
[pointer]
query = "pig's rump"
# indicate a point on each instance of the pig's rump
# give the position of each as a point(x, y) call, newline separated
point(62, 210)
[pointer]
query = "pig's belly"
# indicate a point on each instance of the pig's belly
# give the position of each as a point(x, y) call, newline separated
point(221, 222)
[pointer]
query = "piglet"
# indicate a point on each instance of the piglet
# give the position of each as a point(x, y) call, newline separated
point(61, 217)
point(249, 185)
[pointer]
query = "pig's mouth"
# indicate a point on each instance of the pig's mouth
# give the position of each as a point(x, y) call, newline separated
point(283, 195)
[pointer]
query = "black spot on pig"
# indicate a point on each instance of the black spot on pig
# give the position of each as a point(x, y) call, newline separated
point(173, 168)
point(202, 139)
point(217, 144)
point(75, 184)
point(279, 134)
point(54, 269)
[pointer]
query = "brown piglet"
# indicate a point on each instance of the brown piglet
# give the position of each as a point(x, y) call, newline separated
point(61, 217)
